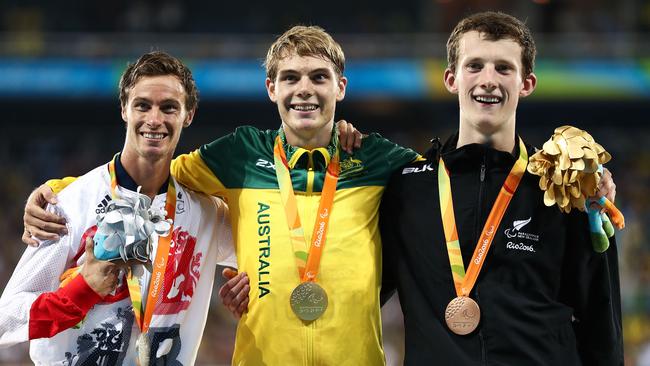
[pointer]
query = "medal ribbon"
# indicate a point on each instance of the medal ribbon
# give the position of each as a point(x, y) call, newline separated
point(307, 263)
point(464, 282)
point(159, 265)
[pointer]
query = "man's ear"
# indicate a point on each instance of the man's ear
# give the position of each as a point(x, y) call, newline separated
point(270, 89)
point(190, 118)
point(529, 84)
point(343, 82)
point(123, 112)
point(450, 81)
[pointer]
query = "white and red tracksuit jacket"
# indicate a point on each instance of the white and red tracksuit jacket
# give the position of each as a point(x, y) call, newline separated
point(33, 307)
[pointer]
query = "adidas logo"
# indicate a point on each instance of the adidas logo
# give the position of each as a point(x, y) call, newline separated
point(101, 207)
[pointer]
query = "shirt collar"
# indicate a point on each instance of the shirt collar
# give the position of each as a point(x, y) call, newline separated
point(316, 159)
point(471, 156)
point(125, 180)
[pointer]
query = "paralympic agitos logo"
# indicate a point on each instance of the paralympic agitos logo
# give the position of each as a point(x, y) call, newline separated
point(515, 230)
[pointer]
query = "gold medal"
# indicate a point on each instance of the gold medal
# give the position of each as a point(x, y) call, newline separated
point(143, 348)
point(308, 301)
point(462, 315)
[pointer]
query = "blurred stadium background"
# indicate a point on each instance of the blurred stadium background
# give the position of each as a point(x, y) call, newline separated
point(60, 62)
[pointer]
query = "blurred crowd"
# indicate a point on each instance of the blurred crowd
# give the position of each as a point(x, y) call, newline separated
point(339, 16)
point(563, 28)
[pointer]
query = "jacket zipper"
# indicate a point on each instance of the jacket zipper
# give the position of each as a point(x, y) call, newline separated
point(482, 173)
point(480, 334)
point(479, 227)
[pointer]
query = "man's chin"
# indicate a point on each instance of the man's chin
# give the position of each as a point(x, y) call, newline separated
point(154, 153)
point(306, 124)
point(488, 124)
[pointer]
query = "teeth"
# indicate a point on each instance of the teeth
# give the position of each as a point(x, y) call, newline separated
point(157, 136)
point(483, 99)
point(305, 108)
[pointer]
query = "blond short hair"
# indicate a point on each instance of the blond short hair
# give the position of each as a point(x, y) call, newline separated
point(304, 41)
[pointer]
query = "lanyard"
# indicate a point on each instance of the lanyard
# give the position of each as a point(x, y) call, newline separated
point(159, 265)
point(462, 281)
point(307, 263)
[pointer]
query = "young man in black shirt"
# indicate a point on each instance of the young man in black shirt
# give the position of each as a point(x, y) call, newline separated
point(527, 289)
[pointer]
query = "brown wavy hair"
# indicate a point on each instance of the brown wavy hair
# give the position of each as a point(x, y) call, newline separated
point(494, 26)
point(158, 63)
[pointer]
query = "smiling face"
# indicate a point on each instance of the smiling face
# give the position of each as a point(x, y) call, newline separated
point(155, 113)
point(306, 90)
point(489, 83)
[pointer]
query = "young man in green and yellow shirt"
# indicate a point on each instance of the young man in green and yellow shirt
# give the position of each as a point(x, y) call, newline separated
point(305, 79)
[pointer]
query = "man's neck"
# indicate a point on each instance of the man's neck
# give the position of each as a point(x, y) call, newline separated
point(502, 139)
point(147, 174)
point(309, 141)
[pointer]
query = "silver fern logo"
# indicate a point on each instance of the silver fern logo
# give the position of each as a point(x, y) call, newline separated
point(516, 226)
point(515, 230)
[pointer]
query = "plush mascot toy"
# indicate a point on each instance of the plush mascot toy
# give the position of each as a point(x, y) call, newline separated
point(126, 230)
point(570, 165)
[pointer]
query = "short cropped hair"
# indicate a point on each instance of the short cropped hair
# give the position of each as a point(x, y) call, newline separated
point(494, 26)
point(158, 63)
point(304, 41)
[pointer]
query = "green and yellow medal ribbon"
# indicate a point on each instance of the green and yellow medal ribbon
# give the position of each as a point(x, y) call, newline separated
point(464, 282)
point(307, 260)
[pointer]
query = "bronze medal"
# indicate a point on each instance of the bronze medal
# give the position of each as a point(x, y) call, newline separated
point(308, 301)
point(462, 315)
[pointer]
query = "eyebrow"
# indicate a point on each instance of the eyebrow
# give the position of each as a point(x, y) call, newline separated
point(315, 71)
point(164, 101)
point(498, 61)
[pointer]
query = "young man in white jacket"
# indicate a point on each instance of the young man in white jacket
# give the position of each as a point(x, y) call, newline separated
point(95, 317)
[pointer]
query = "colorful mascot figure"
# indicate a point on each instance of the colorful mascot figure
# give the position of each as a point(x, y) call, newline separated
point(570, 166)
